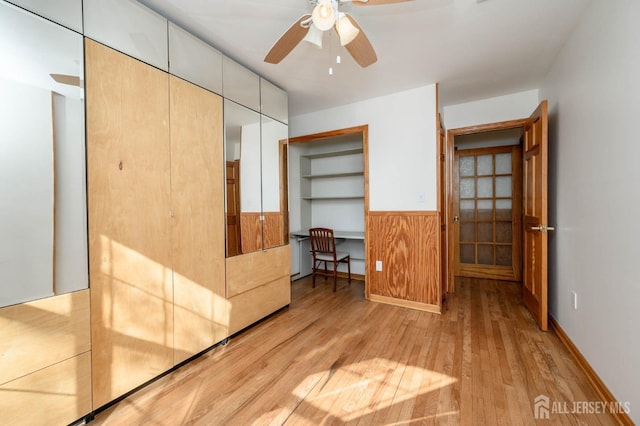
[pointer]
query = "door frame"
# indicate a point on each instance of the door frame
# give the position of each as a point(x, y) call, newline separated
point(451, 135)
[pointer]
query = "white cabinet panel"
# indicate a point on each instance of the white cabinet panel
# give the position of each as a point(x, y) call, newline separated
point(129, 27)
point(64, 12)
point(193, 60)
point(275, 102)
point(240, 85)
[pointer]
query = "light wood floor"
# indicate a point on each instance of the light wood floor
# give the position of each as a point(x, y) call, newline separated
point(335, 358)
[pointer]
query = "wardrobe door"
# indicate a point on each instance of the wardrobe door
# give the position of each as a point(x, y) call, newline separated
point(128, 162)
point(197, 179)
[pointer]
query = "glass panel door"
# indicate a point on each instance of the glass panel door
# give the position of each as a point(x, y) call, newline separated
point(486, 198)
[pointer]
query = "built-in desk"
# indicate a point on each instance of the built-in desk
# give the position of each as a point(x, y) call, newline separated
point(343, 235)
point(349, 241)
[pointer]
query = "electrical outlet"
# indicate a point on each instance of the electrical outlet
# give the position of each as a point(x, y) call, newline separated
point(378, 265)
point(574, 300)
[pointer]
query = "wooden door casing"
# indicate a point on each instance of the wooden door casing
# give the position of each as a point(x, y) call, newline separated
point(442, 209)
point(234, 238)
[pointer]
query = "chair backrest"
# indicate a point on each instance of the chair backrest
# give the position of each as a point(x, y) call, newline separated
point(322, 240)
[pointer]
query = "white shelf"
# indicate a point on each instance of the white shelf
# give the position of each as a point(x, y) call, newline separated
point(333, 175)
point(334, 153)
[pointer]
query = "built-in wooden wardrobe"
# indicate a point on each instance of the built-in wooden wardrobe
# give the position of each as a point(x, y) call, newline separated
point(161, 289)
point(156, 220)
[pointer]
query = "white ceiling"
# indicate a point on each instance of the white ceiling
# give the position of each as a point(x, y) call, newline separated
point(474, 49)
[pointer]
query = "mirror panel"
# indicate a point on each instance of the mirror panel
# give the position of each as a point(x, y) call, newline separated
point(275, 209)
point(129, 27)
point(42, 170)
point(275, 101)
point(240, 84)
point(64, 12)
point(193, 60)
point(243, 188)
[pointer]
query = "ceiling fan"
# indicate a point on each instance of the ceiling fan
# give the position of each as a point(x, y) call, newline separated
point(326, 15)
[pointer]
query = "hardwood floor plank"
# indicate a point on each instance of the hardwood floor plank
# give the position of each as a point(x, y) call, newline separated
point(336, 358)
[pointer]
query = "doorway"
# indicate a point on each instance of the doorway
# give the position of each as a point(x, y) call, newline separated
point(532, 207)
point(467, 139)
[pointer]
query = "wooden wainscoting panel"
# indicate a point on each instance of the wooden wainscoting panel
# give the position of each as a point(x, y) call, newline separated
point(197, 188)
point(273, 229)
point(58, 394)
point(250, 232)
point(38, 334)
point(253, 305)
point(408, 245)
point(128, 167)
point(252, 270)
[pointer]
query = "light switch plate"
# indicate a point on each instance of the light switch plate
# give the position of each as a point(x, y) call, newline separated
point(378, 265)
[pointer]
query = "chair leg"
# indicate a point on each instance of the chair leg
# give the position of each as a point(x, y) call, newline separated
point(349, 268)
point(325, 270)
point(313, 274)
point(335, 276)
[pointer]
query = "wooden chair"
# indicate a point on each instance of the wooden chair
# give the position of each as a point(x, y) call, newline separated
point(323, 249)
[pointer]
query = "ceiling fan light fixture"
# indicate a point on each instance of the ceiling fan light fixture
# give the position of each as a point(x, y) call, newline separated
point(314, 36)
point(324, 15)
point(346, 30)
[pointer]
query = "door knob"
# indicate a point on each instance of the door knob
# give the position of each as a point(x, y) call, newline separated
point(456, 219)
point(543, 228)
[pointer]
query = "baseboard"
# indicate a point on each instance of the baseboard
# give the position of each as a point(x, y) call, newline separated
point(434, 309)
point(598, 385)
point(357, 277)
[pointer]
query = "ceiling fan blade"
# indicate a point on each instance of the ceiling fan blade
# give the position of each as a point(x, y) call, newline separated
point(377, 2)
point(361, 48)
point(288, 41)
point(71, 80)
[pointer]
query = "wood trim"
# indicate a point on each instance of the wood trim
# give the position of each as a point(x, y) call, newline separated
point(500, 125)
point(388, 213)
point(329, 134)
point(596, 382)
point(283, 156)
point(435, 309)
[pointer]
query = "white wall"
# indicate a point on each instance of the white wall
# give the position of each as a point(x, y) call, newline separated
point(250, 180)
point(402, 145)
point(492, 110)
point(272, 133)
point(71, 271)
point(594, 99)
